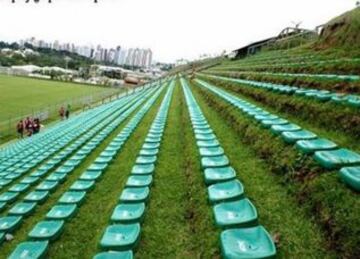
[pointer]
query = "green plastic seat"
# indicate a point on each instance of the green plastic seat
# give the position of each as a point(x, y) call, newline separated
point(226, 191)
point(278, 129)
point(139, 181)
point(57, 177)
point(120, 237)
point(62, 212)
point(214, 161)
point(20, 187)
point(155, 131)
point(266, 117)
point(245, 243)
point(30, 250)
point(131, 195)
point(52, 162)
point(211, 151)
point(351, 176)
point(200, 123)
point(293, 136)
point(208, 143)
point(154, 135)
point(151, 145)
point(65, 169)
point(143, 169)
point(47, 230)
point(331, 159)
point(145, 160)
point(82, 185)
point(216, 175)
point(46, 167)
point(203, 131)
point(72, 162)
point(310, 146)
point(8, 197)
point(23, 209)
point(4, 182)
point(201, 127)
point(38, 173)
point(149, 152)
point(37, 196)
point(240, 213)
point(153, 139)
point(112, 149)
point(205, 136)
point(47, 186)
point(128, 213)
point(268, 123)
point(103, 160)
point(97, 167)
point(72, 197)
point(107, 153)
point(12, 176)
point(29, 180)
point(9, 223)
point(91, 175)
point(115, 255)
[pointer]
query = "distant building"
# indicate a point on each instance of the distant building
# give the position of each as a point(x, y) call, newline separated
point(134, 57)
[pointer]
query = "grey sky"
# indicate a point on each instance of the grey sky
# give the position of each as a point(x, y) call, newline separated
point(173, 29)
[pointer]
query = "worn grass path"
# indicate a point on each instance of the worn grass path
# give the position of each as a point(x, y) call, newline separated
point(299, 236)
point(178, 223)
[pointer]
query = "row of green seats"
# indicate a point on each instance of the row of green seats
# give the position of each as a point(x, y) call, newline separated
point(276, 56)
point(233, 213)
point(41, 235)
point(57, 159)
point(324, 151)
point(34, 156)
point(9, 176)
point(12, 151)
point(319, 95)
point(338, 61)
point(123, 234)
point(42, 190)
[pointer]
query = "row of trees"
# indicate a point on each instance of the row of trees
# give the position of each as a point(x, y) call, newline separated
point(47, 57)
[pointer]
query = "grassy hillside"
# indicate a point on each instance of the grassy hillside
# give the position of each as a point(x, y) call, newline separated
point(342, 31)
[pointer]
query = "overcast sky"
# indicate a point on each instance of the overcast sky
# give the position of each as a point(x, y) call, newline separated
point(173, 29)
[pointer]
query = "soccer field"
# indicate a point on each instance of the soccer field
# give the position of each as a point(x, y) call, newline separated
point(20, 96)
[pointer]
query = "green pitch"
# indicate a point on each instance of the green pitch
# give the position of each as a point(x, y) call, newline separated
point(20, 95)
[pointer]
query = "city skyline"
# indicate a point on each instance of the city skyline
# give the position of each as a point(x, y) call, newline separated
point(133, 57)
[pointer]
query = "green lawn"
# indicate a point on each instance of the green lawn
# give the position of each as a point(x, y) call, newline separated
point(22, 96)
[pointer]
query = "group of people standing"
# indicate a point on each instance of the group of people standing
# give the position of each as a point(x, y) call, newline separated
point(64, 113)
point(29, 126)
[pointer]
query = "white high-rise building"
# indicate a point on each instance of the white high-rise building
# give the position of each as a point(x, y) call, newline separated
point(122, 57)
point(129, 57)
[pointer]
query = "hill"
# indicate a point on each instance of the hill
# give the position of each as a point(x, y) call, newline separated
point(342, 31)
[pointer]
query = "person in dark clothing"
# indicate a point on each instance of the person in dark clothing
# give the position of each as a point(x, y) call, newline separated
point(20, 129)
point(67, 112)
point(62, 112)
point(36, 126)
point(29, 126)
point(27, 123)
